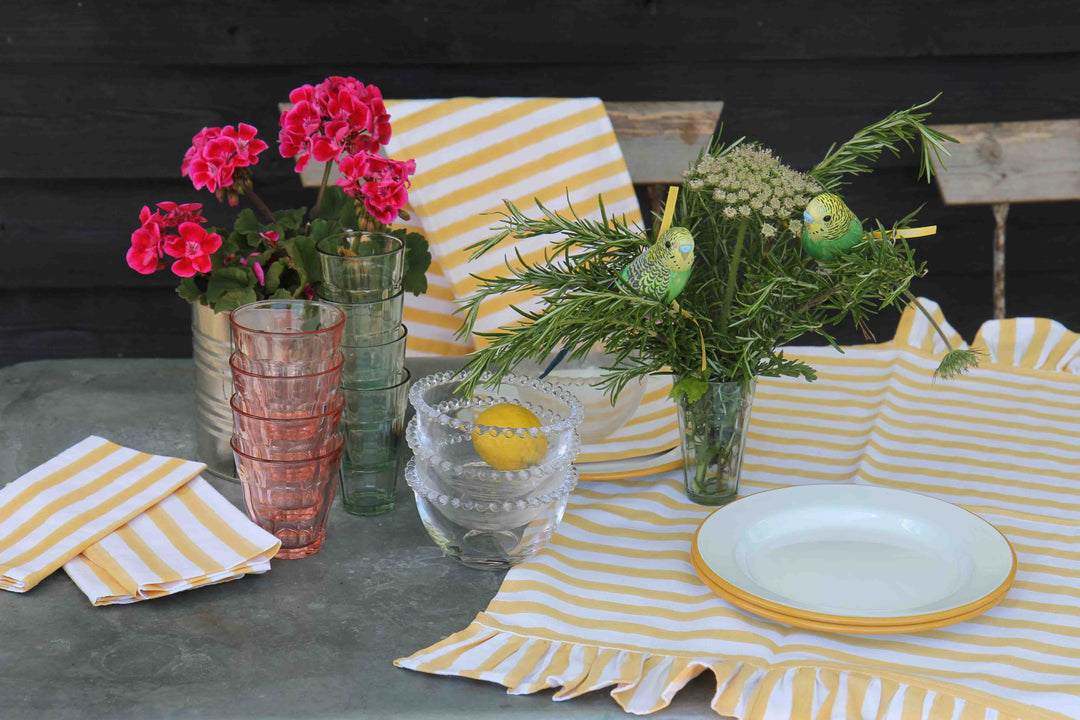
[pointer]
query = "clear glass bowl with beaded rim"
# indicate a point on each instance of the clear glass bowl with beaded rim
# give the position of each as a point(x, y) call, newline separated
point(441, 433)
point(489, 535)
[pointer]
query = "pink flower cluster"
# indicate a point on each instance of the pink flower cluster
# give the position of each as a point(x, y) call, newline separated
point(338, 116)
point(382, 184)
point(343, 120)
point(176, 231)
point(217, 154)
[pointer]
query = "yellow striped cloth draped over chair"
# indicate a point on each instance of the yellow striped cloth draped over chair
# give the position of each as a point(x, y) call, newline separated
point(472, 154)
point(613, 602)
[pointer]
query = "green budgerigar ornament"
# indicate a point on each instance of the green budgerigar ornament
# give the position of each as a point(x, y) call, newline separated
point(662, 269)
point(829, 227)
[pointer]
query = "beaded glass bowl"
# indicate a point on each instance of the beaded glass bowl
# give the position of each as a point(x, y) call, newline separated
point(489, 534)
point(483, 516)
point(441, 433)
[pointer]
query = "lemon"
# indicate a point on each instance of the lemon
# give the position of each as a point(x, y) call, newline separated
point(509, 453)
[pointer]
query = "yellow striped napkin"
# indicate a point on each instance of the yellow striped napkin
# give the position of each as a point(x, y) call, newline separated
point(473, 153)
point(192, 538)
point(613, 602)
point(60, 508)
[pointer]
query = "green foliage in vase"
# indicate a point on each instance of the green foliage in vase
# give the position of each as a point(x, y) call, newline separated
point(752, 288)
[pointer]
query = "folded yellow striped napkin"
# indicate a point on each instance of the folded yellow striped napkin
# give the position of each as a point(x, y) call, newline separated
point(60, 508)
point(192, 538)
point(613, 601)
point(473, 153)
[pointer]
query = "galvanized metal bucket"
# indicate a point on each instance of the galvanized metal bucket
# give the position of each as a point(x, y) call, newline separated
point(211, 346)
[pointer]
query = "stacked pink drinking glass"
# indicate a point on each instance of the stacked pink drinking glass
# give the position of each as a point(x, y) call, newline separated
point(286, 368)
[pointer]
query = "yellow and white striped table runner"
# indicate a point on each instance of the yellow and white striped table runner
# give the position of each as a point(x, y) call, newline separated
point(613, 602)
point(471, 154)
point(192, 538)
point(58, 509)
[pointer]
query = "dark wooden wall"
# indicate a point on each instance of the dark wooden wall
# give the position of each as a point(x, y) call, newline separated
point(99, 100)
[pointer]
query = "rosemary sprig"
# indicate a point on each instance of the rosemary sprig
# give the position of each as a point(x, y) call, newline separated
point(856, 155)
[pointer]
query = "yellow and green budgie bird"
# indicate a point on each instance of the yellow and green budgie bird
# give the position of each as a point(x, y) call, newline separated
point(660, 271)
point(829, 227)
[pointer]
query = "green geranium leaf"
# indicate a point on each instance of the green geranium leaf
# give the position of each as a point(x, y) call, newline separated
point(301, 252)
point(290, 219)
point(189, 290)
point(227, 279)
point(281, 294)
point(321, 229)
point(273, 277)
point(232, 299)
point(691, 388)
point(230, 245)
point(247, 223)
point(417, 261)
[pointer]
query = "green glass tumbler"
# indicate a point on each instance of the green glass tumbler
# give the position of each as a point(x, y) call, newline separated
point(375, 366)
point(372, 322)
point(713, 430)
point(360, 262)
point(373, 425)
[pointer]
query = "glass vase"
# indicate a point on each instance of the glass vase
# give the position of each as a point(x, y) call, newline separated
point(713, 430)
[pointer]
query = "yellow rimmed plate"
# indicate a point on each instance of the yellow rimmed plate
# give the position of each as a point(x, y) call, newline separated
point(635, 467)
point(844, 557)
point(882, 629)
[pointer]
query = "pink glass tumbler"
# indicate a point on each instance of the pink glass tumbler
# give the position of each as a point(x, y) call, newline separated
point(291, 498)
point(287, 337)
point(285, 395)
point(284, 438)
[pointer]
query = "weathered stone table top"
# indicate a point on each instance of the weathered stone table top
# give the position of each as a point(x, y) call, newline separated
point(313, 638)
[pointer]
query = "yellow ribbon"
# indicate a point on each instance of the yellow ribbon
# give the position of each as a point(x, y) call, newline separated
point(669, 209)
point(910, 232)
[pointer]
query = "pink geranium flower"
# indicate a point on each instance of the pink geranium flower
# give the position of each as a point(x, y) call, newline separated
point(382, 184)
point(176, 214)
point(216, 154)
point(192, 247)
point(248, 146)
point(146, 248)
point(338, 117)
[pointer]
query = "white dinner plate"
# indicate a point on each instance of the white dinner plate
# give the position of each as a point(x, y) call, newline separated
point(855, 553)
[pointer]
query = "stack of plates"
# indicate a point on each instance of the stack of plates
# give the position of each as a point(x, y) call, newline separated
point(853, 559)
point(634, 467)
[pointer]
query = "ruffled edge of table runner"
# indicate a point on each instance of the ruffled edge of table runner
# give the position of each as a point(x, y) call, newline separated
point(644, 682)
